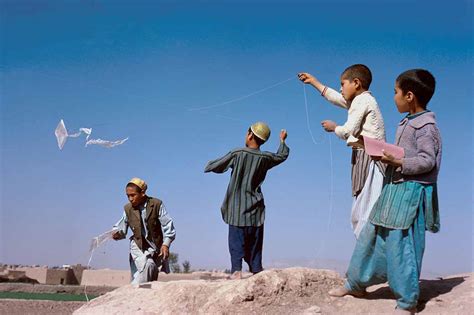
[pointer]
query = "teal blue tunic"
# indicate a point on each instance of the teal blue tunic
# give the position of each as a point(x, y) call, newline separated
point(398, 206)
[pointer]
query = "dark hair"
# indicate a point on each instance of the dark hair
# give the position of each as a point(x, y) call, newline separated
point(138, 189)
point(359, 71)
point(257, 139)
point(418, 81)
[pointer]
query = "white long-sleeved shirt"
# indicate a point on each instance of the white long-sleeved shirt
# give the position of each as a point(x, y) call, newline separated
point(363, 119)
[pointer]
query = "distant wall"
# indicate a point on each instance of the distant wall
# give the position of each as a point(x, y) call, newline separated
point(37, 273)
point(57, 276)
point(46, 275)
point(76, 277)
point(15, 274)
point(105, 277)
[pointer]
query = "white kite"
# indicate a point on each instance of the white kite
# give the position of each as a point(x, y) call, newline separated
point(62, 135)
point(99, 240)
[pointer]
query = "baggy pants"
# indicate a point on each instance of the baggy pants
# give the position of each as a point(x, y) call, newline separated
point(246, 242)
point(382, 254)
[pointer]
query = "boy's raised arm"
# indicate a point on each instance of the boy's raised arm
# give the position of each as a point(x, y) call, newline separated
point(282, 153)
point(334, 97)
point(330, 94)
point(220, 165)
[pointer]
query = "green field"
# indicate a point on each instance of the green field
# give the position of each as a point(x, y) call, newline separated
point(45, 296)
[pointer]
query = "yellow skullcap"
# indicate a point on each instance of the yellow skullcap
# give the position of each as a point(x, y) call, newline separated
point(261, 130)
point(139, 182)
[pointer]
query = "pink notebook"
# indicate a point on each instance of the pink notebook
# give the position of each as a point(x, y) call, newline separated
point(374, 147)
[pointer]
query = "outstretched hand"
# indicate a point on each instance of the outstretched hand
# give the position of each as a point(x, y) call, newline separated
point(117, 236)
point(329, 125)
point(307, 78)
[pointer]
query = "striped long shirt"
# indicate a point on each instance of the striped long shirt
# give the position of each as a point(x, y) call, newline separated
point(243, 203)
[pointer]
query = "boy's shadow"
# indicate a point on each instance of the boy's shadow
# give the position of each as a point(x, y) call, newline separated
point(429, 289)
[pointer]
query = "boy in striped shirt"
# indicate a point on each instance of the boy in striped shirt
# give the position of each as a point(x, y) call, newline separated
point(243, 208)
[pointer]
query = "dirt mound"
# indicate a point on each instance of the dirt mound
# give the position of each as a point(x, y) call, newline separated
point(287, 291)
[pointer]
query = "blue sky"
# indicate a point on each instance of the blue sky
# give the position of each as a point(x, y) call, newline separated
point(133, 69)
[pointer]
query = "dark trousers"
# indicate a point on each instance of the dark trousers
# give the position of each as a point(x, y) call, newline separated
point(246, 242)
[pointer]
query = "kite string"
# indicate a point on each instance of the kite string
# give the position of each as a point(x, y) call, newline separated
point(95, 244)
point(96, 239)
point(308, 125)
point(331, 185)
point(331, 176)
point(244, 96)
point(88, 268)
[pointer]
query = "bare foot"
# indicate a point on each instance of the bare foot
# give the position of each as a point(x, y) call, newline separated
point(342, 291)
point(236, 276)
point(404, 311)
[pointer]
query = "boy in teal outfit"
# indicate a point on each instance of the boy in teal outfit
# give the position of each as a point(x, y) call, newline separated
point(391, 245)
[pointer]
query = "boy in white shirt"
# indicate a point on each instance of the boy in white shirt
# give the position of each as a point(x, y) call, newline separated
point(364, 119)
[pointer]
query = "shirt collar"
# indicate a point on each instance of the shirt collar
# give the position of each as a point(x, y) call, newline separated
point(411, 116)
point(142, 207)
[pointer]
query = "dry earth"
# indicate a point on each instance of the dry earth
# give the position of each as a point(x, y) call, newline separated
point(40, 307)
point(23, 307)
point(287, 291)
point(49, 288)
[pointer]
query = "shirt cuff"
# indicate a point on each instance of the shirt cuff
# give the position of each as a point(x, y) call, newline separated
point(323, 92)
point(354, 142)
point(167, 242)
point(339, 131)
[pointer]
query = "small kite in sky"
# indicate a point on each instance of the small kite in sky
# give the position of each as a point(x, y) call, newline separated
point(62, 135)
